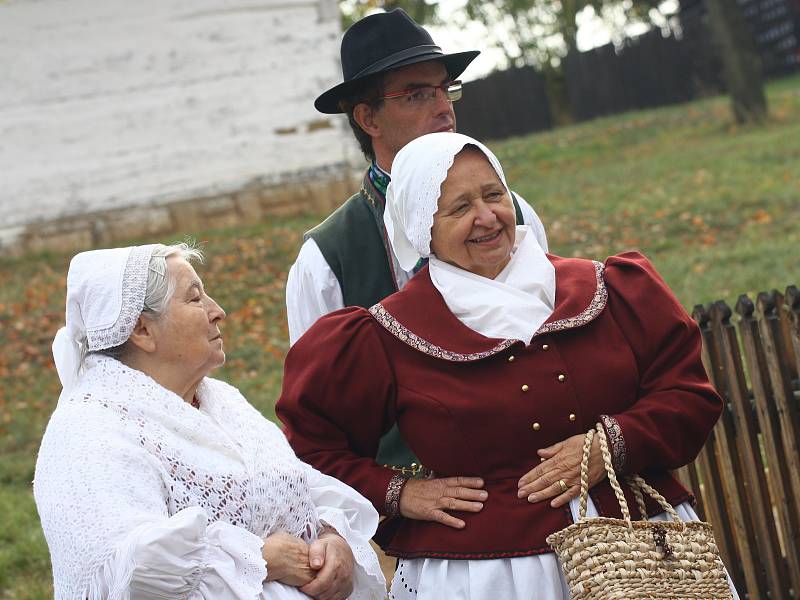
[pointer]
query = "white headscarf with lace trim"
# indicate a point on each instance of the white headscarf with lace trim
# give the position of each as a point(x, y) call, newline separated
point(418, 171)
point(105, 296)
point(519, 299)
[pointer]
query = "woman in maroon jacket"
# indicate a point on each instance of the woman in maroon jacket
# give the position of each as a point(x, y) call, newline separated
point(494, 360)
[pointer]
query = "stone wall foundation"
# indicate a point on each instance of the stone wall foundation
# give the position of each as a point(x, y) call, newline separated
point(185, 217)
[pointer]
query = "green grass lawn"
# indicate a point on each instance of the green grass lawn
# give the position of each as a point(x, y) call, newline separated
point(716, 207)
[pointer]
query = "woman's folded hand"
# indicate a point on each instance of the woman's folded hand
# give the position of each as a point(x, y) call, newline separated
point(331, 558)
point(558, 477)
point(428, 499)
point(287, 559)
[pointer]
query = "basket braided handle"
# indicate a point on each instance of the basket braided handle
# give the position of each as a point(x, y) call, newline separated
point(587, 448)
point(637, 484)
point(612, 476)
point(637, 493)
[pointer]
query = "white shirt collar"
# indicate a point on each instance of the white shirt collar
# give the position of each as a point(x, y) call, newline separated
point(514, 304)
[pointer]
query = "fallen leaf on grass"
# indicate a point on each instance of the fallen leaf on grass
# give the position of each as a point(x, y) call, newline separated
point(708, 239)
point(761, 217)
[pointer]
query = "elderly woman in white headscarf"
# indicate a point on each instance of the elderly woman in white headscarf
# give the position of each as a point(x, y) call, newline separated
point(154, 480)
point(494, 360)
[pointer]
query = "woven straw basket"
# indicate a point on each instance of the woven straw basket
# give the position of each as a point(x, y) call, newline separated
point(621, 559)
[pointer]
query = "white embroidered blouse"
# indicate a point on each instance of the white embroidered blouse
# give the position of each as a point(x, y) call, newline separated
point(141, 495)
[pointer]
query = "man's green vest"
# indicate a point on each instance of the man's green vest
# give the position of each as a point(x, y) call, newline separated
point(353, 242)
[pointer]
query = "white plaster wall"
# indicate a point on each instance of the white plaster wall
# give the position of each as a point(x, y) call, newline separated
point(113, 103)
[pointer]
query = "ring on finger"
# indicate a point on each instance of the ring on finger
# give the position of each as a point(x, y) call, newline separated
point(563, 485)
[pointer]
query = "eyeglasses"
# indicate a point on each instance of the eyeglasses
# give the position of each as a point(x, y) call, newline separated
point(423, 94)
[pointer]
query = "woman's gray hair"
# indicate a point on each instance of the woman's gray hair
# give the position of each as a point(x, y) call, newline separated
point(160, 286)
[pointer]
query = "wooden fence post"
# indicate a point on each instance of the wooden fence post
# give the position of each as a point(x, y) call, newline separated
point(777, 471)
point(710, 472)
point(771, 331)
point(755, 503)
point(727, 450)
point(792, 305)
point(786, 350)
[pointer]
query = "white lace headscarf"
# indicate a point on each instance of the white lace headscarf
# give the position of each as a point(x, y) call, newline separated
point(412, 197)
point(525, 288)
point(105, 296)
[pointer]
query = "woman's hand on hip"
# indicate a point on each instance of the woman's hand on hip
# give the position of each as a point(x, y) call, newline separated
point(333, 561)
point(287, 559)
point(428, 499)
point(558, 477)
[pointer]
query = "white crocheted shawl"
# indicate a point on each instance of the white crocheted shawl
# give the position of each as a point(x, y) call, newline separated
point(119, 428)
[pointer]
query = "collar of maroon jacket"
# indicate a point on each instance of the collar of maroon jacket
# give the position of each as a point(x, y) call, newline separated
point(418, 315)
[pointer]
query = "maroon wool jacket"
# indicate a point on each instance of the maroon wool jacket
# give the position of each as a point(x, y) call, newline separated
point(618, 349)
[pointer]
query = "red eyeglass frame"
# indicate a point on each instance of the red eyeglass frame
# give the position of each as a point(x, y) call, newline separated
point(407, 92)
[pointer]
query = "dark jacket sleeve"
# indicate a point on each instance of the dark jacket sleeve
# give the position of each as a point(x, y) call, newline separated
point(677, 406)
point(338, 399)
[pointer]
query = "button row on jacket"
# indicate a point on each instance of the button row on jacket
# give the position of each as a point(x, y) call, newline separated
point(537, 426)
point(545, 347)
point(525, 387)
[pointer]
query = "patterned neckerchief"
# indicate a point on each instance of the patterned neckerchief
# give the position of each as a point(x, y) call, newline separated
point(379, 178)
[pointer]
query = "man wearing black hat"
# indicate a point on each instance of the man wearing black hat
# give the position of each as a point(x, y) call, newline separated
point(398, 85)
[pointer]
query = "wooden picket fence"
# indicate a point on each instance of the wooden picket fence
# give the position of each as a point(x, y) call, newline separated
point(747, 477)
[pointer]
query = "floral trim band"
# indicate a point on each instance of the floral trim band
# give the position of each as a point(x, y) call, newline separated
point(402, 333)
point(589, 313)
point(405, 335)
point(619, 453)
point(393, 490)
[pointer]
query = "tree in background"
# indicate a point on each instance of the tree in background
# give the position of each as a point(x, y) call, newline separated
point(529, 32)
point(741, 63)
point(421, 11)
point(540, 33)
point(543, 31)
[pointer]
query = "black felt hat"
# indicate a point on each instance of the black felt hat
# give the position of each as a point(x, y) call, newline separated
point(382, 42)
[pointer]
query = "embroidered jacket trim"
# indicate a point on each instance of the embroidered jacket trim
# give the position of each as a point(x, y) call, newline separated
point(408, 337)
point(405, 335)
point(619, 452)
